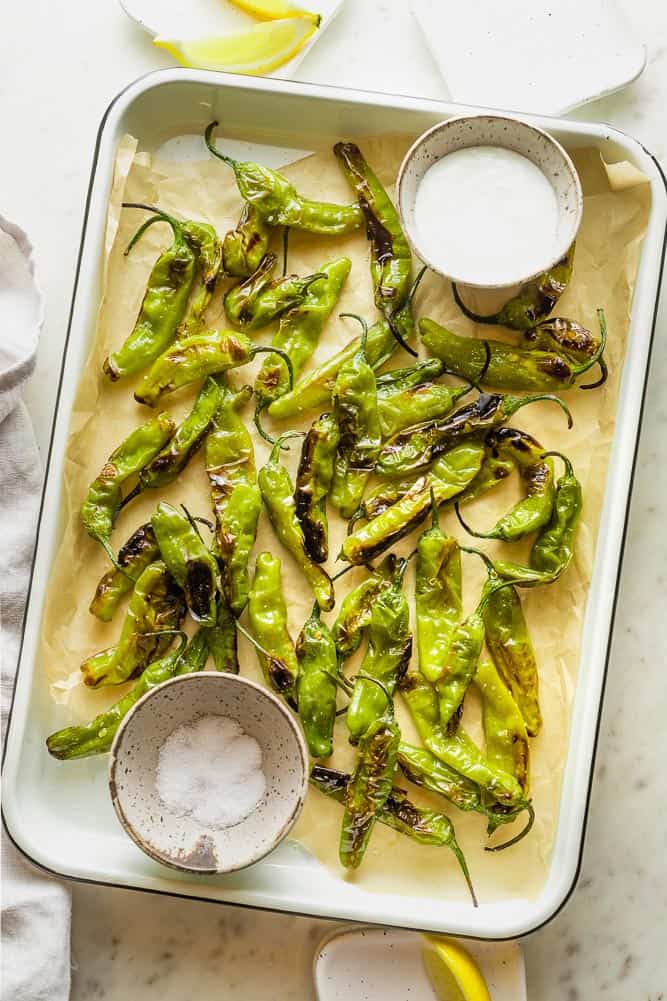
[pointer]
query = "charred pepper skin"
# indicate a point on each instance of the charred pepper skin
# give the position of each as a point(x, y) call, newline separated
point(187, 440)
point(236, 497)
point(511, 368)
point(315, 389)
point(278, 496)
point(277, 201)
point(317, 688)
point(413, 450)
point(163, 307)
point(244, 247)
point(104, 498)
point(424, 826)
point(156, 605)
point(391, 260)
point(355, 610)
point(260, 299)
point(356, 410)
point(505, 732)
point(139, 550)
point(423, 769)
point(267, 613)
point(438, 597)
point(451, 475)
point(369, 788)
point(313, 483)
point(190, 562)
point(533, 511)
point(195, 358)
point(97, 736)
point(299, 333)
point(221, 639)
point(534, 301)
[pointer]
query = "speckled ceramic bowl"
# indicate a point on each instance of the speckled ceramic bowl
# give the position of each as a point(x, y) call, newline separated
point(181, 842)
point(493, 130)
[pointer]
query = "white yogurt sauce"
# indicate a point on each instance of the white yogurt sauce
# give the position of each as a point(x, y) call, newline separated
point(486, 215)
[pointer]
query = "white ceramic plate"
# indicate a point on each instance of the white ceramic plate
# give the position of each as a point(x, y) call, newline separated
point(545, 58)
point(61, 817)
point(199, 18)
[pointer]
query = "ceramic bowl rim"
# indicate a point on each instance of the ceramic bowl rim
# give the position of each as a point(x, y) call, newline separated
point(275, 840)
point(445, 125)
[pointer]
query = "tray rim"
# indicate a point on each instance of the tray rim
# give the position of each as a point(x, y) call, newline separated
point(22, 684)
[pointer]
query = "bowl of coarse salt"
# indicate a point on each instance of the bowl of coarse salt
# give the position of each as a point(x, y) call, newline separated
point(208, 773)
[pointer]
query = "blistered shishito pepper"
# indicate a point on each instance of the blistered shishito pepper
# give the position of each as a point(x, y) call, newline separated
point(191, 563)
point(278, 202)
point(438, 597)
point(104, 498)
point(163, 306)
point(414, 449)
point(428, 401)
point(398, 380)
point(369, 787)
point(194, 358)
point(174, 457)
point(317, 687)
point(571, 339)
point(424, 826)
point(244, 247)
point(156, 606)
point(504, 728)
point(451, 475)
point(534, 300)
point(237, 501)
point(299, 333)
point(391, 260)
point(357, 605)
point(315, 389)
point(520, 369)
point(533, 511)
point(553, 549)
point(425, 770)
point(221, 639)
point(278, 496)
point(510, 646)
point(97, 736)
point(495, 470)
point(313, 483)
point(260, 299)
point(356, 409)
point(267, 613)
point(387, 657)
point(139, 550)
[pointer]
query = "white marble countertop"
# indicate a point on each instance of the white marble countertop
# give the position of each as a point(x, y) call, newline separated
point(609, 942)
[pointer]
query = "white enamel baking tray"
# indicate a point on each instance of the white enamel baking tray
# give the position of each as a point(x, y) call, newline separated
point(61, 818)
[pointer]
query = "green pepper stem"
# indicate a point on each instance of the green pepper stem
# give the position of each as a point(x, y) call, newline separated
point(476, 317)
point(230, 161)
point(569, 469)
point(347, 569)
point(399, 336)
point(415, 285)
point(261, 349)
point(518, 837)
point(257, 645)
point(278, 443)
point(132, 494)
point(259, 410)
point(461, 859)
point(380, 684)
point(158, 216)
point(364, 329)
point(519, 402)
point(106, 546)
point(470, 531)
point(598, 356)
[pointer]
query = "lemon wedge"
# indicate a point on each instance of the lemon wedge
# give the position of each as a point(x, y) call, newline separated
point(453, 973)
point(271, 10)
point(260, 50)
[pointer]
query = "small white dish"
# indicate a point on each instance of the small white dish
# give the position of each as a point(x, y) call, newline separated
point(385, 964)
point(181, 842)
point(508, 133)
point(201, 18)
point(542, 58)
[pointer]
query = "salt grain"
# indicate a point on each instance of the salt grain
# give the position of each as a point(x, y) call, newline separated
point(211, 770)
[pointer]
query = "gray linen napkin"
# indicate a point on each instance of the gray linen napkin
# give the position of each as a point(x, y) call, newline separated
point(35, 909)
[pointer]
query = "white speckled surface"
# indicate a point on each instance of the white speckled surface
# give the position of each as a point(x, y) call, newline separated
point(608, 944)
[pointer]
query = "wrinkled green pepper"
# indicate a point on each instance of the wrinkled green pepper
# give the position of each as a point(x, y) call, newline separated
point(260, 299)
point(244, 247)
point(139, 550)
point(267, 613)
point(191, 563)
point(313, 483)
point(156, 606)
point(438, 598)
point(317, 688)
point(355, 610)
point(278, 496)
